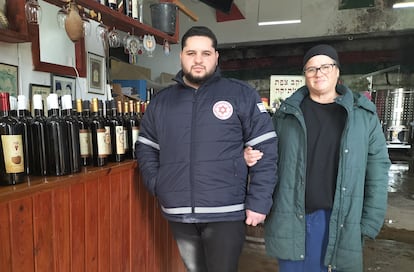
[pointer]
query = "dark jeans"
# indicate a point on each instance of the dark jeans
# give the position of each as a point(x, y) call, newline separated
point(210, 247)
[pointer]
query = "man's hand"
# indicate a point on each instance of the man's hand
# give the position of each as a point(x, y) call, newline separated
point(251, 156)
point(254, 218)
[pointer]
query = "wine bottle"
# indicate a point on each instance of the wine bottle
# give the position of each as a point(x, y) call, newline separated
point(125, 116)
point(112, 4)
point(12, 165)
point(73, 134)
point(86, 113)
point(135, 9)
point(127, 7)
point(133, 127)
point(56, 139)
point(97, 126)
point(116, 125)
point(108, 146)
point(84, 135)
point(25, 117)
point(13, 106)
point(38, 132)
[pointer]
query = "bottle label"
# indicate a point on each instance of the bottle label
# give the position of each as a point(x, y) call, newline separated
point(126, 144)
point(13, 153)
point(84, 143)
point(101, 140)
point(119, 134)
point(108, 146)
point(135, 133)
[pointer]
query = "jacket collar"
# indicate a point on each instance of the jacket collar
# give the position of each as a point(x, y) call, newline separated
point(179, 78)
point(346, 98)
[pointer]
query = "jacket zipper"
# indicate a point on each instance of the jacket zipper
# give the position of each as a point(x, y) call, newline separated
point(193, 121)
point(341, 160)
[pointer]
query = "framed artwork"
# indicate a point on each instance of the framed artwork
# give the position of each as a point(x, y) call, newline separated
point(96, 74)
point(9, 79)
point(64, 85)
point(43, 90)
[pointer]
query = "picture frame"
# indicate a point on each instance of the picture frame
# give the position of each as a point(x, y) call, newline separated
point(43, 90)
point(9, 79)
point(96, 74)
point(64, 85)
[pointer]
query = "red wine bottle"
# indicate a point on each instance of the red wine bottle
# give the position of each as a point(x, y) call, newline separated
point(112, 4)
point(73, 134)
point(98, 135)
point(38, 137)
point(133, 128)
point(116, 126)
point(58, 162)
point(12, 165)
point(84, 135)
point(125, 116)
point(25, 118)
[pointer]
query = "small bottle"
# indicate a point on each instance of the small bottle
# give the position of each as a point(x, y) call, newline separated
point(12, 164)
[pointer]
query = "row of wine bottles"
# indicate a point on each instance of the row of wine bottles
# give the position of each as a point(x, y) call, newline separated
point(131, 8)
point(72, 135)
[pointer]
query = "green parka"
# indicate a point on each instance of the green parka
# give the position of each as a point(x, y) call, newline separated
point(361, 192)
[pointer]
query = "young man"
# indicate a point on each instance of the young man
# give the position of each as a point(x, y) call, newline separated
point(332, 173)
point(190, 152)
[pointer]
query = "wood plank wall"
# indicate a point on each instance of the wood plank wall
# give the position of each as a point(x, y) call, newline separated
point(100, 221)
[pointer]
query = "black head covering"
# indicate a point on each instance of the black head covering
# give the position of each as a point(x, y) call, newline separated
point(321, 49)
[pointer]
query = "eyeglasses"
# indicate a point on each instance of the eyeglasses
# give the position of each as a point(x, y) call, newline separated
point(324, 68)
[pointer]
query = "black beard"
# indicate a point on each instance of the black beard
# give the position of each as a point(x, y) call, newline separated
point(196, 80)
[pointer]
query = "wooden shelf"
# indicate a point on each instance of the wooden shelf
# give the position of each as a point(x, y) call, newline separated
point(112, 18)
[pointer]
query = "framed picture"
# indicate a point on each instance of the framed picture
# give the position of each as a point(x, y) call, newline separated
point(9, 79)
point(43, 90)
point(64, 85)
point(96, 74)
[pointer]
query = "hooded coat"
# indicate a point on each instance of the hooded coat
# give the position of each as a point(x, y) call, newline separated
point(360, 200)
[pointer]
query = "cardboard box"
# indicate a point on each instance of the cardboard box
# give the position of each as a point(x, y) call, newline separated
point(139, 87)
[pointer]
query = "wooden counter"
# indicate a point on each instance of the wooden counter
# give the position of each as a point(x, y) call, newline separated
point(102, 219)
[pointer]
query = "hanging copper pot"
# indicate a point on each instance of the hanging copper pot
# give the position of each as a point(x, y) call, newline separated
point(74, 23)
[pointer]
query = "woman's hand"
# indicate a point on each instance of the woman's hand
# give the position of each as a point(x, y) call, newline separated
point(251, 156)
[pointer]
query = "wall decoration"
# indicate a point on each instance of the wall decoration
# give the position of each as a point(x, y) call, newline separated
point(43, 90)
point(64, 85)
point(96, 74)
point(9, 79)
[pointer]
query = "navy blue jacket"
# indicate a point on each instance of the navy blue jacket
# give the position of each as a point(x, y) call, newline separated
point(190, 151)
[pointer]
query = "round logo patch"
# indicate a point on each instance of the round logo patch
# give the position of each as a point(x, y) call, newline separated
point(223, 110)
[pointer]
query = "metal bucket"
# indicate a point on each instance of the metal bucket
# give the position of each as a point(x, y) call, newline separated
point(163, 17)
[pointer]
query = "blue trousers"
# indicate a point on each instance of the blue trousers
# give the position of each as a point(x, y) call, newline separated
point(317, 230)
point(210, 247)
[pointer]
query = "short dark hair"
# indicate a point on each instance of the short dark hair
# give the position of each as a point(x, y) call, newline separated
point(199, 31)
